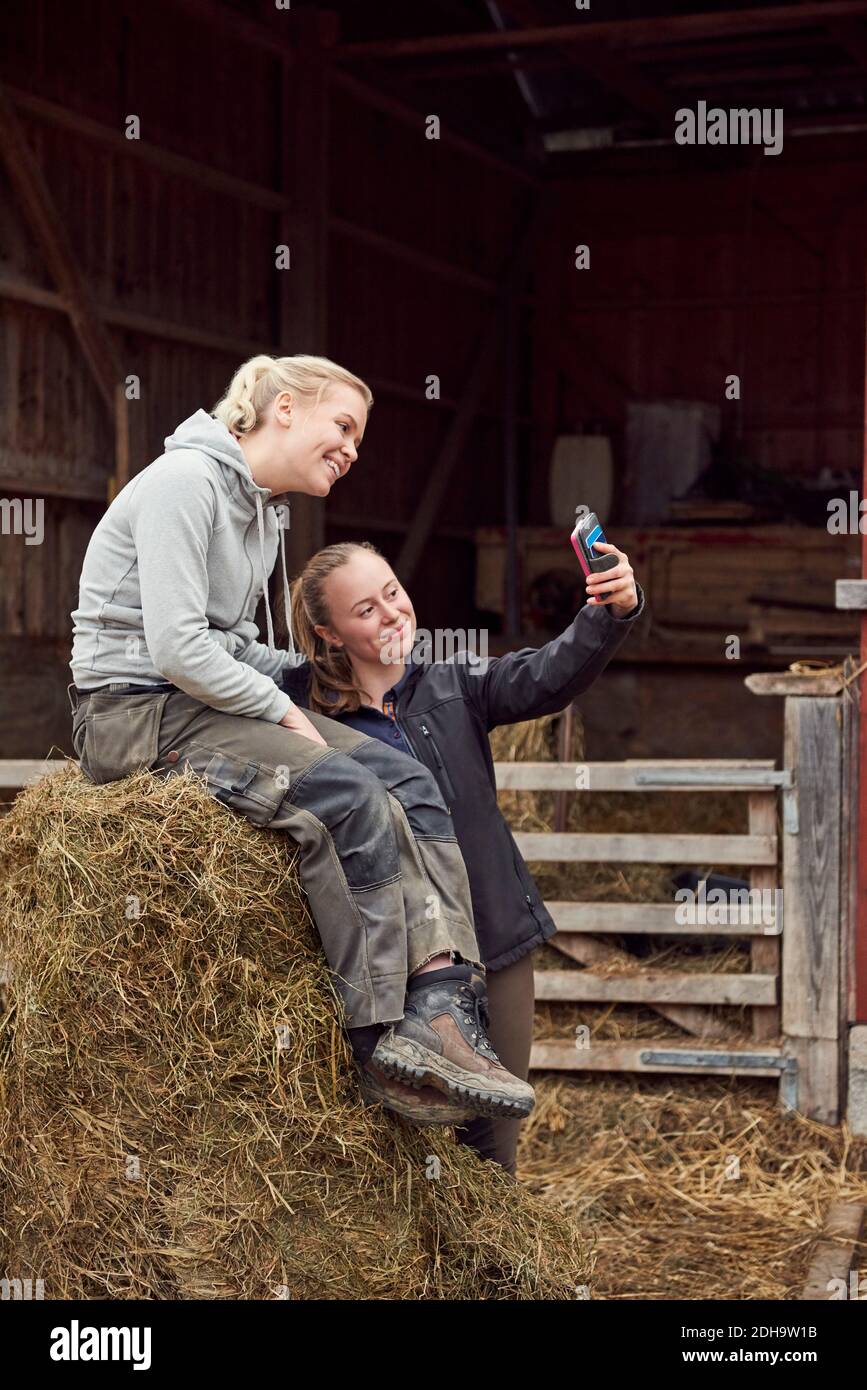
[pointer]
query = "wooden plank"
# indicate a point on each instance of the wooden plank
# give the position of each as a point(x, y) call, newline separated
point(587, 950)
point(19, 772)
point(789, 683)
point(811, 900)
point(647, 849)
point(623, 776)
point(564, 1055)
point(833, 1256)
point(764, 949)
point(811, 869)
point(659, 919)
point(654, 986)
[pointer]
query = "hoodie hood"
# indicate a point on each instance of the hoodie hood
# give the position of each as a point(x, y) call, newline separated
point(210, 436)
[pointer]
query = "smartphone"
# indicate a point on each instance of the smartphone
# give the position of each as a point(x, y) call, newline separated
point(585, 535)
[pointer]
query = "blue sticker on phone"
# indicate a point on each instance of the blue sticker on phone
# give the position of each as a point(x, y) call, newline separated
point(595, 535)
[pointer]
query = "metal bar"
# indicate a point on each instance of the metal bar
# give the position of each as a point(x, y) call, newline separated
point(703, 1058)
point(718, 777)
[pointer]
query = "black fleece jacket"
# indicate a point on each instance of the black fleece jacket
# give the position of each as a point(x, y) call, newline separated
point(446, 712)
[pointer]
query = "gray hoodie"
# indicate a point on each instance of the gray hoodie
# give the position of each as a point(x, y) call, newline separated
point(173, 574)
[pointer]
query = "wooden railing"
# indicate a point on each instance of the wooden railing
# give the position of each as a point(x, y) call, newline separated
point(682, 997)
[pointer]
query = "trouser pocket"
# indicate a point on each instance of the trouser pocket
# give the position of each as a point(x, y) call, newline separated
point(121, 735)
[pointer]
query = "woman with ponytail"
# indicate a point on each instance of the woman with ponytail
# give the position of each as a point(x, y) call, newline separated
point(169, 673)
point(357, 627)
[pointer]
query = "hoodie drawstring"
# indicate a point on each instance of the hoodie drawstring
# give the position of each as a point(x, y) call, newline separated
point(286, 596)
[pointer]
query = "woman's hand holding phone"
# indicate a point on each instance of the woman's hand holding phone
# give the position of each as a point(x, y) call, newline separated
point(298, 722)
point(615, 586)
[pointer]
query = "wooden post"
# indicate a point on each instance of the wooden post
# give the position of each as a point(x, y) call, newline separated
point(302, 306)
point(812, 1025)
point(764, 950)
point(481, 365)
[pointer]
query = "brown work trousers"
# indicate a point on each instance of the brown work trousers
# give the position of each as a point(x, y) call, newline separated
point(378, 856)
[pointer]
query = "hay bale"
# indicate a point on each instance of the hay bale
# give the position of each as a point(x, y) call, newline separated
point(179, 1114)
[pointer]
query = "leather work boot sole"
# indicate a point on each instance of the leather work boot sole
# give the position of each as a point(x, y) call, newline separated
point(442, 1041)
point(421, 1105)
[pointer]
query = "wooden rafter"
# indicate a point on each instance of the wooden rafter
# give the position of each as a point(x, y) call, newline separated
point(660, 29)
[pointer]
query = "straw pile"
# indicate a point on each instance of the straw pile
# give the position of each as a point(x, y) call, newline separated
point(179, 1114)
point(690, 1189)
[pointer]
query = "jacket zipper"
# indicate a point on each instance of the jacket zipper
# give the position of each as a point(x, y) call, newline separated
point(436, 752)
point(440, 764)
point(527, 898)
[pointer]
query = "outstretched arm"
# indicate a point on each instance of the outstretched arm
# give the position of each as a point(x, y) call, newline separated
point(536, 681)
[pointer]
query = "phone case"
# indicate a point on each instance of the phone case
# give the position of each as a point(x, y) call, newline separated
point(585, 534)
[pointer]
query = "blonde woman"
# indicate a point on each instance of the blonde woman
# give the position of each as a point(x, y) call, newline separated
point(169, 673)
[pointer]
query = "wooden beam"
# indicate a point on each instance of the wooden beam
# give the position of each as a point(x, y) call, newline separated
point(660, 29)
point(431, 265)
point(790, 683)
point(20, 772)
point(237, 189)
point(692, 1018)
point(241, 190)
point(378, 100)
point(301, 292)
point(458, 431)
point(633, 1056)
point(764, 947)
point(811, 902)
point(574, 848)
point(654, 986)
point(642, 775)
point(658, 919)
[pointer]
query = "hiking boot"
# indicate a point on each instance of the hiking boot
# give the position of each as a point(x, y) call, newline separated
point(442, 1041)
point(421, 1105)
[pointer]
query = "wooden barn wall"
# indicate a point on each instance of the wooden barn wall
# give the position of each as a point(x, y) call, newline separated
point(397, 323)
point(181, 269)
point(698, 274)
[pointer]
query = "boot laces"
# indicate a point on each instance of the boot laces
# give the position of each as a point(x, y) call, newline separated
point(476, 1009)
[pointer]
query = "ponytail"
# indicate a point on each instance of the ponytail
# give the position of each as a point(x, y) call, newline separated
point(331, 671)
point(259, 380)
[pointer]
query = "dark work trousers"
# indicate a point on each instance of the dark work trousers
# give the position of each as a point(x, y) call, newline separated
point(510, 1010)
point(379, 859)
